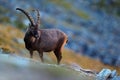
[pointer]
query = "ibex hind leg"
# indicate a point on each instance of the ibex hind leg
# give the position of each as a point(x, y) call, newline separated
point(58, 50)
point(58, 55)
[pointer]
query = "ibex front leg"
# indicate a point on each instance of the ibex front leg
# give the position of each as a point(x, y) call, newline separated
point(31, 54)
point(41, 55)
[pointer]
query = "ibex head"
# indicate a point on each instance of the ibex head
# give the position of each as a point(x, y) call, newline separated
point(33, 27)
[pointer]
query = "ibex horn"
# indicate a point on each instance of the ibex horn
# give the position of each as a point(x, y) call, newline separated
point(38, 17)
point(28, 16)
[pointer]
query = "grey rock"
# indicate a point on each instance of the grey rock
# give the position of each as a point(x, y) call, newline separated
point(116, 78)
point(104, 74)
point(113, 74)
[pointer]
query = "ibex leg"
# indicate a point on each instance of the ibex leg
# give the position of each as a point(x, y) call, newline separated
point(31, 54)
point(41, 55)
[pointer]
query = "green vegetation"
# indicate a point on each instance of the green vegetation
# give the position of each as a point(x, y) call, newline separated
point(69, 7)
point(20, 24)
point(111, 6)
point(4, 19)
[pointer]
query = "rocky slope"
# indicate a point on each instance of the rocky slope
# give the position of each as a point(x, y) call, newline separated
point(19, 68)
point(91, 30)
point(15, 61)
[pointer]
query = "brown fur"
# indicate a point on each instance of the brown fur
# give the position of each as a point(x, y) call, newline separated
point(44, 40)
point(50, 40)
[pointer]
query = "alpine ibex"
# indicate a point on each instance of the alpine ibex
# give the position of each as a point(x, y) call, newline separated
point(43, 40)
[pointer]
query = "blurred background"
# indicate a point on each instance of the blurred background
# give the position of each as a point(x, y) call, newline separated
point(92, 27)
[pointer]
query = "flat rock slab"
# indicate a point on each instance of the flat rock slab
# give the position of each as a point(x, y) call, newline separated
point(104, 74)
point(107, 74)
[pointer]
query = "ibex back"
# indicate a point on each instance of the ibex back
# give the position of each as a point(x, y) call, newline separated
point(43, 40)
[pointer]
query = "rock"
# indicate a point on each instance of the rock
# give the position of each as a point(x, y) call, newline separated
point(75, 66)
point(79, 68)
point(116, 78)
point(113, 74)
point(19, 40)
point(104, 74)
point(107, 74)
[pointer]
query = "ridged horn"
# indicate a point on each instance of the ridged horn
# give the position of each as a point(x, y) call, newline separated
point(28, 16)
point(38, 17)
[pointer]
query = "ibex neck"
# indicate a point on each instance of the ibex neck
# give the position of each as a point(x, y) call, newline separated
point(29, 41)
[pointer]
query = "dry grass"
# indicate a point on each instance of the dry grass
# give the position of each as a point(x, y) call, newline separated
point(70, 57)
point(8, 36)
